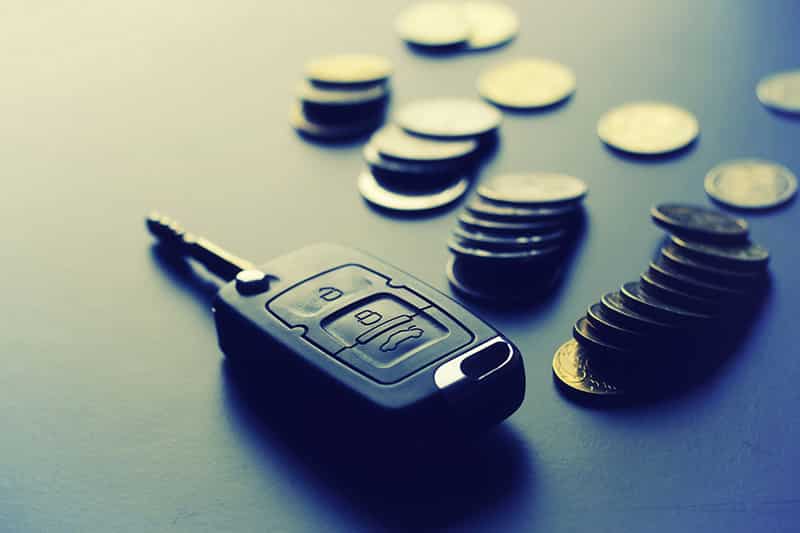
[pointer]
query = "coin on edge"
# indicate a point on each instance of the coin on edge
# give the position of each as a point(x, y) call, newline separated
point(533, 188)
point(349, 69)
point(374, 193)
point(751, 184)
point(433, 24)
point(780, 91)
point(572, 366)
point(491, 24)
point(700, 222)
point(527, 83)
point(448, 117)
point(648, 128)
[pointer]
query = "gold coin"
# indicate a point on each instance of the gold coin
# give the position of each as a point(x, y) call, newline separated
point(648, 128)
point(527, 83)
point(572, 365)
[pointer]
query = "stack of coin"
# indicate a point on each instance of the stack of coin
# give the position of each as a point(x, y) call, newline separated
point(427, 158)
point(707, 274)
point(511, 240)
point(343, 97)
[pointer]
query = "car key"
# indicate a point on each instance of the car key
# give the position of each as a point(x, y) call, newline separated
point(391, 341)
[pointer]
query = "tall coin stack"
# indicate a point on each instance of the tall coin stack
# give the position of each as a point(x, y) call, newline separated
point(343, 97)
point(513, 239)
point(707, 276)
point(426, 159)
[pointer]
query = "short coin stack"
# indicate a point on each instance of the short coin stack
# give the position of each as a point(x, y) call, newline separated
point(342, 97)
point(512, 239)
point(427, 158)
point(707, 274)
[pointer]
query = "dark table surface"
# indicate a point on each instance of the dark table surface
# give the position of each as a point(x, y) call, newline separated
point(118, 413)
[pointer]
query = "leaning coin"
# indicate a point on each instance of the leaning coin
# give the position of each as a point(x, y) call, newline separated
point(508, 212)
point(677, 297)
point(610, 329)
point(375, 194)
point(750, 256)
point(392, 141)
point(572, 366)
point(699, 223)
point(462, 248)
point(527, 83)
point(650, 306)
point(624, 314)
point(737, 279)
point(751, 184)
point(331, 132)
point(515, 228)
point(448, 118)
point(349, 69)
point(491, 24)
point(589, 337)
point(433, 24)
point(648, 128)
point(665, 274)
point(781, 91)
point(490, 240)
point(533, 188)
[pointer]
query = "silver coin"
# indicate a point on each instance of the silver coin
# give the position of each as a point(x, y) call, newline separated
point(572, 366)
point(373, 192)
point(533, 188)
point(511, 212)
point(750, 256)
point(699, 222)
point(527, 83)
point(448, 117)
point(394, 142)
point(509, 228)
point(780, 91)
point(331, 132)
point(349, 69)
point(499, 240)
point(330, 96)
point(429, 170)
point(433, 24)
point(467, 249)
point(751, 184)
point(491, 24)
point(648, 128)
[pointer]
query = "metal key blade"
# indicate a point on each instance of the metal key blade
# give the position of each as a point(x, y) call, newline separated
point(215, 258)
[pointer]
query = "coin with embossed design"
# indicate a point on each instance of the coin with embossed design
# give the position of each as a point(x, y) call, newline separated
point(648, 128)
point(751, 184)
point(572, 366)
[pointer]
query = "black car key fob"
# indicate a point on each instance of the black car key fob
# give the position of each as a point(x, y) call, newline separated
point(389, 340)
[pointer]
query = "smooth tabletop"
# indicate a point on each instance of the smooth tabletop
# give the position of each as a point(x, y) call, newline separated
point(117, 409)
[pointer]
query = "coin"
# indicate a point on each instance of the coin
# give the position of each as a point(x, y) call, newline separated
point(676, 258)
point(648, 128)
point(656, 308)
point(432, 171)
point(699, 223)
point(751, 184)
point(615, 306)
point(331, 132)
point(609, 328)
point(349, 69)
point(483, 209)
point(533, 188)
point(677, 297)
point(587, 336)
point(662, 272)
point(448, 117)
point(433, 24)
point(517, 228)
point(572, 366)
point(749, 256)
point(374, 193)
point(332, 96)
point(491, 24)
point(527, 83)
point(392, 141)
point(496, 284)
point(781, 91)
point(463, 248)
point(494, 240)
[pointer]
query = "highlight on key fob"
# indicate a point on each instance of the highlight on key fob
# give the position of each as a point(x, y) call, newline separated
point(389, 340)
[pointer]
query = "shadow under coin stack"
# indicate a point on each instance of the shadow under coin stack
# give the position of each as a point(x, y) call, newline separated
point(427, 159)
point(512, 241)
point(706, 279)
point(343, 97)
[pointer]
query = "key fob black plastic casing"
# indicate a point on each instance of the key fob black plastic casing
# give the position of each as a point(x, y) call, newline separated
point(375, 334)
